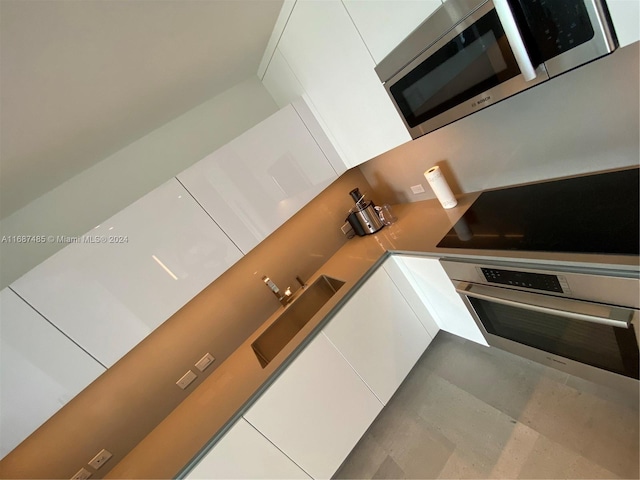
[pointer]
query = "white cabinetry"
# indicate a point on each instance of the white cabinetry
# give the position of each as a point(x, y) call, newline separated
point(130, 273)
point(41, 370)
point(317, 410)
point(244, 453)
point(625, 15)
point(383, 24)
point(440, 297)
point(398, 273)
point(379, 335)
point(281, 81)
point(256, 182)
point(322, 47)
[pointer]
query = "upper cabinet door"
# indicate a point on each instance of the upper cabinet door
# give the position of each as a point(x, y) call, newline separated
point(41, 370)
point(134, 271)
point(383, 24)
point(328, 57)
point(258, 181)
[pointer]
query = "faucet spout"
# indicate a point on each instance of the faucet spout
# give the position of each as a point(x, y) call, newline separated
point(284, 298)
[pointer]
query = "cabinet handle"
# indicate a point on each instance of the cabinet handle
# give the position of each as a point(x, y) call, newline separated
point(560, 307)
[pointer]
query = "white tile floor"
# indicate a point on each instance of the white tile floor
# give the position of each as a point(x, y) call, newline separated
point(467, 411)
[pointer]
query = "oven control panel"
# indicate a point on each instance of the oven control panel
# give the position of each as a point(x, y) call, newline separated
point(536, 281)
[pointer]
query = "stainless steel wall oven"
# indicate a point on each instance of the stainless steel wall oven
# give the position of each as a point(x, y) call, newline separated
point(583, 323)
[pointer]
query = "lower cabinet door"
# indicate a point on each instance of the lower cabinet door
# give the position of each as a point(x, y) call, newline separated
point(438, 294)
point(244, 453)
point(317, 410)
point(40, 370)
point(379, 335)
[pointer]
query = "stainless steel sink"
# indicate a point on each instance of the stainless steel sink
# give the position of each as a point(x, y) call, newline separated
point(296, 316)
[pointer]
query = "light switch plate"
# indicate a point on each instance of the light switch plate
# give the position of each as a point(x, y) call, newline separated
point(347, 229)
point(82, 474)
point(186, 379)
point(205, 361)
point(99, 460)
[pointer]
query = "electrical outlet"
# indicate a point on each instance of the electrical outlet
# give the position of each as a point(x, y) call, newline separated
point(97, 461)
point(186, 379)
point(82, 474)
point(416, 189)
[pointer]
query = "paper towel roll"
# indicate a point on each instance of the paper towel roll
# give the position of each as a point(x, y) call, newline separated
point(440, 187)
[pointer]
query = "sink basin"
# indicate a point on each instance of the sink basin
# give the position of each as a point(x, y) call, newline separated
point(296, 316)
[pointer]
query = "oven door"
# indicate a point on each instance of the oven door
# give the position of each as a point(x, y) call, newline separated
point(470, 67)
point(590, 340)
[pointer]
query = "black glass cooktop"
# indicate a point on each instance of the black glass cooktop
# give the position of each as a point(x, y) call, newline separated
point(590, 214)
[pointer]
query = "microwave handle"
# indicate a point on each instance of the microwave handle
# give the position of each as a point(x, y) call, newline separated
point(515, 39)
point(560, 307)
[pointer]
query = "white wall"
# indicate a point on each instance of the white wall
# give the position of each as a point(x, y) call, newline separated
point(583, 121)
point(99, 192)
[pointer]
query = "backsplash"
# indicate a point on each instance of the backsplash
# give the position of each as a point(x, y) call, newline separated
point(583, 121)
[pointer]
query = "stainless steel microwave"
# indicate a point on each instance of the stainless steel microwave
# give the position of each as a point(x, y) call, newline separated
point(470, 54)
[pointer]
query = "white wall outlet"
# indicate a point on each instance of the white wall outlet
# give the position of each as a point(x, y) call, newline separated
point(416, 189)
point(205, 361)
point(186, 379)
point(347, 229)
point(81, 474)
point(102, 456)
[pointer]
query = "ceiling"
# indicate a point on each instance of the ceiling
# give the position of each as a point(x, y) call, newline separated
point(81, 79)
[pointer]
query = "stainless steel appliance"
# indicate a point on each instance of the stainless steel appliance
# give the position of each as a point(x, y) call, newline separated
point(473, 53)
point(363, 218)
point(584, 323)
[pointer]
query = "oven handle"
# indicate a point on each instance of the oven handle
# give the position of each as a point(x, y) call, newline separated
point(515, 39)
point(562, 307)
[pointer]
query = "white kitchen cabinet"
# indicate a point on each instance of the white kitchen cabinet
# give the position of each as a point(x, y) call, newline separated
point(438, 294)
point(245, 453)
point(625, 15)
point(383, 24)
point(258, 181)
point(395, 269)
point(41, 370)
point(322, 47)
point(378, 333)
point(149, 260)
point(281, 82)
point(316, 410)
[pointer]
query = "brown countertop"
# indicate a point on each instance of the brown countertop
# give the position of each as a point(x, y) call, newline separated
point(221, 398)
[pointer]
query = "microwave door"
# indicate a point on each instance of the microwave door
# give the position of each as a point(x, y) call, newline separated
point(471, 67)
point(567, 33)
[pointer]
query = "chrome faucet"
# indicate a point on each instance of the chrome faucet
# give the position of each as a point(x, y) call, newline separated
point(286, 297)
